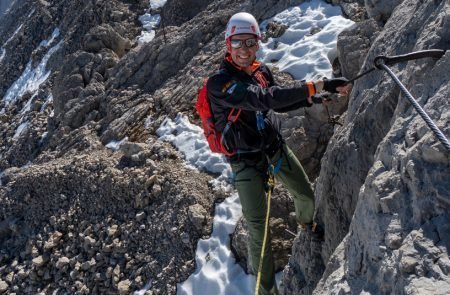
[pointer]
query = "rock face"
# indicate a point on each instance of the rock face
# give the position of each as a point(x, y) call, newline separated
point(383, 195)
point(80, 218)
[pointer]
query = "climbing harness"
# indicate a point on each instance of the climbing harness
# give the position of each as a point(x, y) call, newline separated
point(382, 62)
point(271, 184)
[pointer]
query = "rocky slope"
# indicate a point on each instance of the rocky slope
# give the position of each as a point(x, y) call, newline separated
point(78, 217)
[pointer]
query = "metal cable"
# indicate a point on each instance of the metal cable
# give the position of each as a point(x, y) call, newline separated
point(419, 109)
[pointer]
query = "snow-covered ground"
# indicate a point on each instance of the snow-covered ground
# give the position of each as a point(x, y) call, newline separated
point(150, 21)
point(32, 77)
point(303, 55)
point(217, 272)
point(299, 51)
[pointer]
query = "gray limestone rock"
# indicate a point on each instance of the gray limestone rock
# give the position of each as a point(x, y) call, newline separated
point(197, 215)
point(383, 195)
point(353, 45)
point(381, 10)
point(104, 36)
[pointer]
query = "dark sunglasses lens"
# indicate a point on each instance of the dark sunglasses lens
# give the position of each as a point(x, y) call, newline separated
point(250, 42)
point(236, 44)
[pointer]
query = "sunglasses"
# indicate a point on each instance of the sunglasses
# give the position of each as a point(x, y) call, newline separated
point(237, 43)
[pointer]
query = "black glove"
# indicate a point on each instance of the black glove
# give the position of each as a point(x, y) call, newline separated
point(331, 84)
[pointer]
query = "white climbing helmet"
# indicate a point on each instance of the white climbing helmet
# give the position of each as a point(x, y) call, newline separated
point(242, 23)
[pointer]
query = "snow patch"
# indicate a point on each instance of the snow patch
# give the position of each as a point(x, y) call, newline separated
point(31, 78)
point(154, 4)
point(48, 100)
point(43, 137)
point(22, 127)
point(27, 106)
point(144, 290)
point(190, 141)
point(13, 35)
point(304, 48)
point(150, 22)
point(217, 271)
point(46, 43)
point(31, 13)
point(115, 145)
point(148, 121)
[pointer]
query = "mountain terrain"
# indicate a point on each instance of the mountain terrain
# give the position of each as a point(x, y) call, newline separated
point(82, 214)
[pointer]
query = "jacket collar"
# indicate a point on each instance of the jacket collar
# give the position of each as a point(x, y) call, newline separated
point(228, 61)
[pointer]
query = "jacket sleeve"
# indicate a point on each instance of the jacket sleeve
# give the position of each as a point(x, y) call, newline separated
point(228, 92)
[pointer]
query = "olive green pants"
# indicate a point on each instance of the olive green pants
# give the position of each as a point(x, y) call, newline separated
point(250, 182)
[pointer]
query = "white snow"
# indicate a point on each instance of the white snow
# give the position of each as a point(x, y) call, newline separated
point(43, 136)
point(189, 139)
point(154, 4)
point(115, 145)
point(217, 271)
point(299, 53)
point(32, 77)
point(45, 43)
point(13, 35)
point(31, 13)
point(22, 127)
point(48, 100)
point(150, 22)
point(27, 106)
point(148, 121)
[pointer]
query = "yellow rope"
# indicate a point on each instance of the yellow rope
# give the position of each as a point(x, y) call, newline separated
point(271, 183)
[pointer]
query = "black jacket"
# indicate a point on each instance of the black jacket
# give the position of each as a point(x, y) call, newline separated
point(231, 88)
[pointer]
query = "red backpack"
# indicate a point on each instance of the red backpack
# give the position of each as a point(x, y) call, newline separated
point(213, 136)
